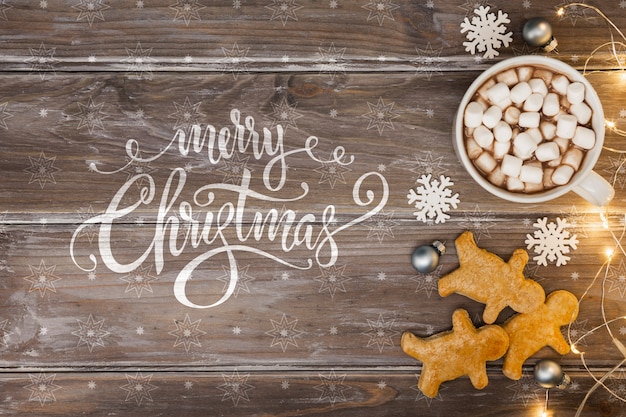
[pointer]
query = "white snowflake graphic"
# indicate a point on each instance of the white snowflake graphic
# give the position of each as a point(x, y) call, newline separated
point(333, 279)
point(42, 60)
point(551, 242)
point(617, 278)
point(235, 387)
point(235, 61)
point(284, 10)
point(42, 278)
point(90, 333)
point(4, 332)
point(429, 60)
point(332, 387)
point(380, 115)
point(486, 32)
point(4, 115)
point(187, 333)
point(243, 279)
point(332, 60)
point(284, 332)
point(380, 9)
point(284, 114)
point(90, 115)
point(380, 226)
point(42, 388)
point(428, 282)
point(433, 199)
point(525, 389)
point(138, 387)
point(187, 115)
point(332, 171)
point(3, 10)
point(139, 61)
point(380, 333)
point(90, 10)
point(233, 169)
point(187, 10)
point(139, 280)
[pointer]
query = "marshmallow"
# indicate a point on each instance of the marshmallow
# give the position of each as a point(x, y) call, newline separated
point(511, 165)
point(544, 74)
point(566, 126)
point(533, 188)
point(473, 114)
point(533, 102)
point(524, 146)
point(520, 92)
point(535, 133)
point(502, 131)
point(508, 77)
point(482, 91)
point(529, 119)
point(472, 148)
point(504, 103)
point(547, 151)
point(498, 93)
point(524, 73)
point(511, 115)
point(514, 184)
point(500, 149)
point(573, 157)
point(483, 136)
point(584, 137)
point(576, 92)
point(582, 113)
point(496, 177)
point(531, 174)
point(538, 86)
point(562, 142)
point(547, 178)
point(560, 83)
point(562, 175)
point(548, 130)
point(492, 116)
point(551, 105)
point(485, 162)
point(554, 162)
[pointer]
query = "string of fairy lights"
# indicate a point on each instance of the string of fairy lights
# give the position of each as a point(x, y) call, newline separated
point(617, 40)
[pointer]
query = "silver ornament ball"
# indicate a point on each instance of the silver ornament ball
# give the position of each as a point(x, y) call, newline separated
point(549, 374)
point(425, 258)
point(538, 32)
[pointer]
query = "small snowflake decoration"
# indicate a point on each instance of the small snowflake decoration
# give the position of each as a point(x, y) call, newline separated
point(486, 32)
point(433, 199)
point(552, 241)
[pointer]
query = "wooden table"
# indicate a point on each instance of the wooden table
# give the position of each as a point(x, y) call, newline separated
point(142, 274)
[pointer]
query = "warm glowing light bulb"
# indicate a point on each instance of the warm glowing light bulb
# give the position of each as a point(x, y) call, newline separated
point(609, 253)
point(560, 12)
point(544, 414)
point(610, 124)
point(574, 349)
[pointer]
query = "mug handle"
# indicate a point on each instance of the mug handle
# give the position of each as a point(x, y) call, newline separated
point(595, 189)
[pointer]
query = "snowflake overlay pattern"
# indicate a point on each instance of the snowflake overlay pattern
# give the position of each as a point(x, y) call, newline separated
point(486, 32)
point(552, 241)
point(433, 199)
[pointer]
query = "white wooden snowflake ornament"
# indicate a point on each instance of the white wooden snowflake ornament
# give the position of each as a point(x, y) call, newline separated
point(486, 32)
point(552, 241)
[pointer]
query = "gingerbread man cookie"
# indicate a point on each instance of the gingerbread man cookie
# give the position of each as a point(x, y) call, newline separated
point(464, 350)
point(530, 332)
point(485, 277)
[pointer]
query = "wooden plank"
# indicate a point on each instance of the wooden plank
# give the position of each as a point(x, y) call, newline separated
point(92, 120)
point(410, 36)
point(241, 392)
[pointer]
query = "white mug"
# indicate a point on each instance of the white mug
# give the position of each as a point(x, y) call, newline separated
point(585, 182)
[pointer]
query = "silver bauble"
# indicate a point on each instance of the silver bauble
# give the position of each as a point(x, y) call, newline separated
point(549, 374)
point(425, 258)
point(538, 32)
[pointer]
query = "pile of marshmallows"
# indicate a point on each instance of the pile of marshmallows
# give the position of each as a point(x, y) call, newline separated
point(527, 129)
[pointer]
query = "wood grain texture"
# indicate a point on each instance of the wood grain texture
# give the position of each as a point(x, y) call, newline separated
point(92, 96)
